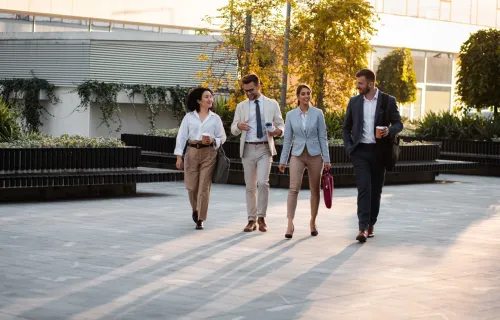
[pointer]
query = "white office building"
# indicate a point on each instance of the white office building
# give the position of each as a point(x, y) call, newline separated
point(68, 42)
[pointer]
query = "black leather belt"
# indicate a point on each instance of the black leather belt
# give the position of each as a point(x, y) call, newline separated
point(258, 142)
point(200, 145)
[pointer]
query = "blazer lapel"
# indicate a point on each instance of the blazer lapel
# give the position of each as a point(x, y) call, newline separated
point(379, 103)
point(361, 111)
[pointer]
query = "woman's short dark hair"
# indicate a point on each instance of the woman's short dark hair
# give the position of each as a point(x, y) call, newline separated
point(249, 78)
point(367, 73)
point(299, 89)
point(193, 96)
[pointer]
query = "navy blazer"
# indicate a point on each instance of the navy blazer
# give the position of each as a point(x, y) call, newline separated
point(352, 130)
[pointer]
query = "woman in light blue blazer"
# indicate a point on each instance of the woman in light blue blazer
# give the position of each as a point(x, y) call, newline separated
point(305, 135)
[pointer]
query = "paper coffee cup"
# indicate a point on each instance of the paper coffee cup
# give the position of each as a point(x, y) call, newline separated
point(378, 132)
point(205, 135)
point(270, 127)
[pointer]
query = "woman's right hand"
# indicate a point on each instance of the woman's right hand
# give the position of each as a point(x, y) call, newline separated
point(282, 167)
point(178, 163)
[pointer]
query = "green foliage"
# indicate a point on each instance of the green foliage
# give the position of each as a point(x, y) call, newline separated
point(37, 140)
point(266, 43)
point(329, 44)
point(171, 133)
point(26, 98)
point(479, 69)
point(334, 121)
point(9, 128)
point(157, 99)
point(446, 125)
point(396, 75)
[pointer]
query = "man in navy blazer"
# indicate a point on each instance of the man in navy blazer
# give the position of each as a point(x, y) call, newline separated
point(364, 114)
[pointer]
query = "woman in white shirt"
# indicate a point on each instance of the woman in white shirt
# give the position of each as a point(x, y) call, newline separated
point(203, 132)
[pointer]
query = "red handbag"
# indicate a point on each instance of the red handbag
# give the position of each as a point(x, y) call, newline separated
point(327, 188)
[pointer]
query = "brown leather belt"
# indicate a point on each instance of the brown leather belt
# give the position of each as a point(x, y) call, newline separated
point(200, 145)
point(258, 142)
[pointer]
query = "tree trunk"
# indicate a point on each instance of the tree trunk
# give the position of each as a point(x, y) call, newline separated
point(495, 112)
point(248, 32)
point(321, 87)
point(284, 80)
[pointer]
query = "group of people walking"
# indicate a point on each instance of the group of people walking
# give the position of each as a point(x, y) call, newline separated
point(258, 120)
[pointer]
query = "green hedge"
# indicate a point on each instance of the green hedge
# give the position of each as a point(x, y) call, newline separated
point(9, 127)
point(36, 140)
point(445, 125)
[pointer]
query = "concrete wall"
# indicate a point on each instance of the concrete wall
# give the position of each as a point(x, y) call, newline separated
point(421, 34)
point(65, 119)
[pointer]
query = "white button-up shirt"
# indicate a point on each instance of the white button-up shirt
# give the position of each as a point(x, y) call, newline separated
point(252, 121)
point(303, 116)
point(369, 109)
point(192, 128)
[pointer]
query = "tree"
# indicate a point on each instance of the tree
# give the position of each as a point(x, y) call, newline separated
point(265, 52)
point(396, 75)
point(330, 43)
point(479, 69)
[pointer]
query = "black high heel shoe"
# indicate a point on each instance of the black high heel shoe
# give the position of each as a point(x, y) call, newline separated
point(290, 235)
point(314, 233)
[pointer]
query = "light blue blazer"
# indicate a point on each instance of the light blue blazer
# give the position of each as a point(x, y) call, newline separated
point(314, 137)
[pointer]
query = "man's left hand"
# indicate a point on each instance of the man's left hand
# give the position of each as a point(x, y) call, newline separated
point(276, 132)
point(385, 132)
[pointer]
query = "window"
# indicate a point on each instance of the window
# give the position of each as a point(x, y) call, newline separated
point(417, 106)
point(486, 13)
point(429, 9)
point(461, 11)
point(473, 12)
point(379, 5)
point(412, 9)
point(419, 64)
point(395, 7)
point(445, 11)
point(437, 99)
point(439, 67)
point(379, 54)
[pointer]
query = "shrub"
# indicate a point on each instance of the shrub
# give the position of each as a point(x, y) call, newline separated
point(9, 128)
point(37, 140)
point(446, 125)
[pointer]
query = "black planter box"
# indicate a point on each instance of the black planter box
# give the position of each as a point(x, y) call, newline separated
point(428, 152)
point(36, 159)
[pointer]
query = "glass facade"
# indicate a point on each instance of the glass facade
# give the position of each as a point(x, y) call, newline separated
point(475, 12)
point(434, 71)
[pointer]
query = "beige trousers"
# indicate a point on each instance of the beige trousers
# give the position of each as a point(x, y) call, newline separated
point(314, 167)
point(199, 165)
point(257, 160)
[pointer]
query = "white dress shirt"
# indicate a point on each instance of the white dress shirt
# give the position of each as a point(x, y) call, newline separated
point(252, 121)
point(369, 109)
point(192, 128)
point(303, 116)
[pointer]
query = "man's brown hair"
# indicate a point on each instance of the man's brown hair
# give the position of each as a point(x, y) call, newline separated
point(249, 78)
point(367, 73)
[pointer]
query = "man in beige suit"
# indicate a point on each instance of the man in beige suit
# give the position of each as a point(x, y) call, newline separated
point(257, 147)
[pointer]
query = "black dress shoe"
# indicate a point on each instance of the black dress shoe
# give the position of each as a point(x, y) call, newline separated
point(195, 216)
point(290, 235)
point(199, 225)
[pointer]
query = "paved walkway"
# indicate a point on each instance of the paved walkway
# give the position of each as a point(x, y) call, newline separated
point(436, 255)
